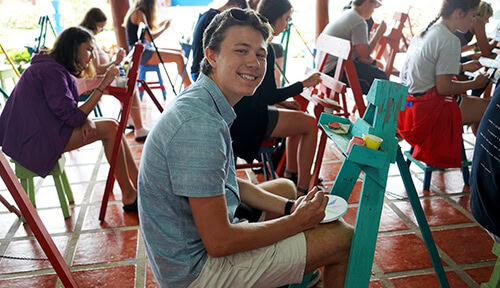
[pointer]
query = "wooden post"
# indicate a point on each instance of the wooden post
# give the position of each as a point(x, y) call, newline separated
point(321, 15)
point(119, 9)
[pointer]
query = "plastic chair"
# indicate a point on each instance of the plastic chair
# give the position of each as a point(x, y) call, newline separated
point(35, 223)
point(143, 69)
point(495, 275)
point(60, 179)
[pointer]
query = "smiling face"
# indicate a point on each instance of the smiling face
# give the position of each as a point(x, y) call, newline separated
point(281, 23)
point(86, 53)
point(240, 65)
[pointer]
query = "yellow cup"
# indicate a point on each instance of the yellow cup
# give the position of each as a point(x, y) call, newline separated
point(372, 141)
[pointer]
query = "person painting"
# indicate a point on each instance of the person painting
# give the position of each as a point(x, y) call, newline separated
point(188, 197)
point(41, 119)
point(95, 21)
point(144, 11)
point(437, 104)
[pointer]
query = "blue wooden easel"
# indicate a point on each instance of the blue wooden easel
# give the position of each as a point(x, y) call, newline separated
point(386, 99)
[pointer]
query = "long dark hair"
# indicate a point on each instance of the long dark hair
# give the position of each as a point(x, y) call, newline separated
point(448, 7)
point(92, 17)
point(215, 33)
point(65, 49)
point(148, 7)
point(273, 9)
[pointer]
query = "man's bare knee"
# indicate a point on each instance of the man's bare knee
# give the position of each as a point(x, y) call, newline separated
point(328, 244)
point(281, 186)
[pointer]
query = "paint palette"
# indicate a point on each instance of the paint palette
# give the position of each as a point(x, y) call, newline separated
point(335, 209)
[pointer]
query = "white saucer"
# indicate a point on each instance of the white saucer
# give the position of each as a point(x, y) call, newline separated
point(335, 209)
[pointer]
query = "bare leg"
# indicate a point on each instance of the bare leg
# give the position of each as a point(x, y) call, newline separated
point(135, 111)
point(282, 187)
point(106, 131)
point(329, 245)
point(472, 110)
point(169, 56)
point(301, 128)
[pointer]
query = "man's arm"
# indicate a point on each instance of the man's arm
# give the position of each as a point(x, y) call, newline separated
point(258, 198)
point(222, 238)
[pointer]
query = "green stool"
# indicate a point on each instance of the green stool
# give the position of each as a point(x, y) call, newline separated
point(495, 275)
point(60, 179)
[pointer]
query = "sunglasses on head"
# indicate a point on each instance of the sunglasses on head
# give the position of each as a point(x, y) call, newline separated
point(242, 15)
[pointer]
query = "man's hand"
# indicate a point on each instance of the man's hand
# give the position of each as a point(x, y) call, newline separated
point(310, 209)
point(88, 129)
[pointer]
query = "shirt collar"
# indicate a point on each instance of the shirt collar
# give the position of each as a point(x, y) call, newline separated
point(225, 109)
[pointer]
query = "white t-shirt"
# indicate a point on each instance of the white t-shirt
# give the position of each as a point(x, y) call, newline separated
point(349, 26)
point(437, 53)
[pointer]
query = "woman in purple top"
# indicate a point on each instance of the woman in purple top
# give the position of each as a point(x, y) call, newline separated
point(41, 119)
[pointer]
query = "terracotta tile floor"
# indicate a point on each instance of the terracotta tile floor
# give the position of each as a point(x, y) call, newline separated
point(112, 254)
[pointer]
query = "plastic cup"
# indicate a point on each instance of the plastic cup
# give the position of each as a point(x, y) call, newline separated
point(372, 141)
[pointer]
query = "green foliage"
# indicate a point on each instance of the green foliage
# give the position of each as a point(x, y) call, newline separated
point(20, 58)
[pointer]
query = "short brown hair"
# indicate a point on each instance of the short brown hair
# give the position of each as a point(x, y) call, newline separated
point(215, 33)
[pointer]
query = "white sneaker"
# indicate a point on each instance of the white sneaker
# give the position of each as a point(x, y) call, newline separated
point(316, 276)
point(141, 134)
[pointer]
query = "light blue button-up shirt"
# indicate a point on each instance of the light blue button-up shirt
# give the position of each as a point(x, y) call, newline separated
point(188, 153)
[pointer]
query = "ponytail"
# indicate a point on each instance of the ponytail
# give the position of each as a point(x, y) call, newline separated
point(430, 25)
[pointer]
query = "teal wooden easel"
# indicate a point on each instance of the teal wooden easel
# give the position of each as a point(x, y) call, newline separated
point(386, 99)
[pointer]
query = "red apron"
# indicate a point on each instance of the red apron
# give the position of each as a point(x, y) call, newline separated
point(432, 125)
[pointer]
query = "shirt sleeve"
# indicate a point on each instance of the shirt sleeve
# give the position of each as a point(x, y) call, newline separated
point(448, 61)
point(197, 158)
point(273, 94)
point(58, 89)
point(359, 34)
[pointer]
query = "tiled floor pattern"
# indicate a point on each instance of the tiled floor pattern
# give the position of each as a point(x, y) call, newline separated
point(111, 254)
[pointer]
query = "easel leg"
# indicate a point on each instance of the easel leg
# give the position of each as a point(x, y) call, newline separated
point(422, 222)
point(346, 179)
point(365, 234)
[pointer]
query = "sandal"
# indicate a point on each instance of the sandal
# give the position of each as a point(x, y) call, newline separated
point(130, 207)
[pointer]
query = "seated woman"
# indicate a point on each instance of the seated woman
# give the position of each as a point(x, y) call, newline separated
point(144, 11)
point(95, 20)
point(479, 30)
point(41, 119)
point(437, 105)
point(256, 120)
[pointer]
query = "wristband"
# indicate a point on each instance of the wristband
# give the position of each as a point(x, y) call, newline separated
point(288, 206)
point(102, 92)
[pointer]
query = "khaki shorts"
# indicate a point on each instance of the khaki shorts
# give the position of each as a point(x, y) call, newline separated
point(276, 265)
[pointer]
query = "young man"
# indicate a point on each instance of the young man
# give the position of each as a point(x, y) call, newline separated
point(200, 27)
point(188, 191)
point(351, 25)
